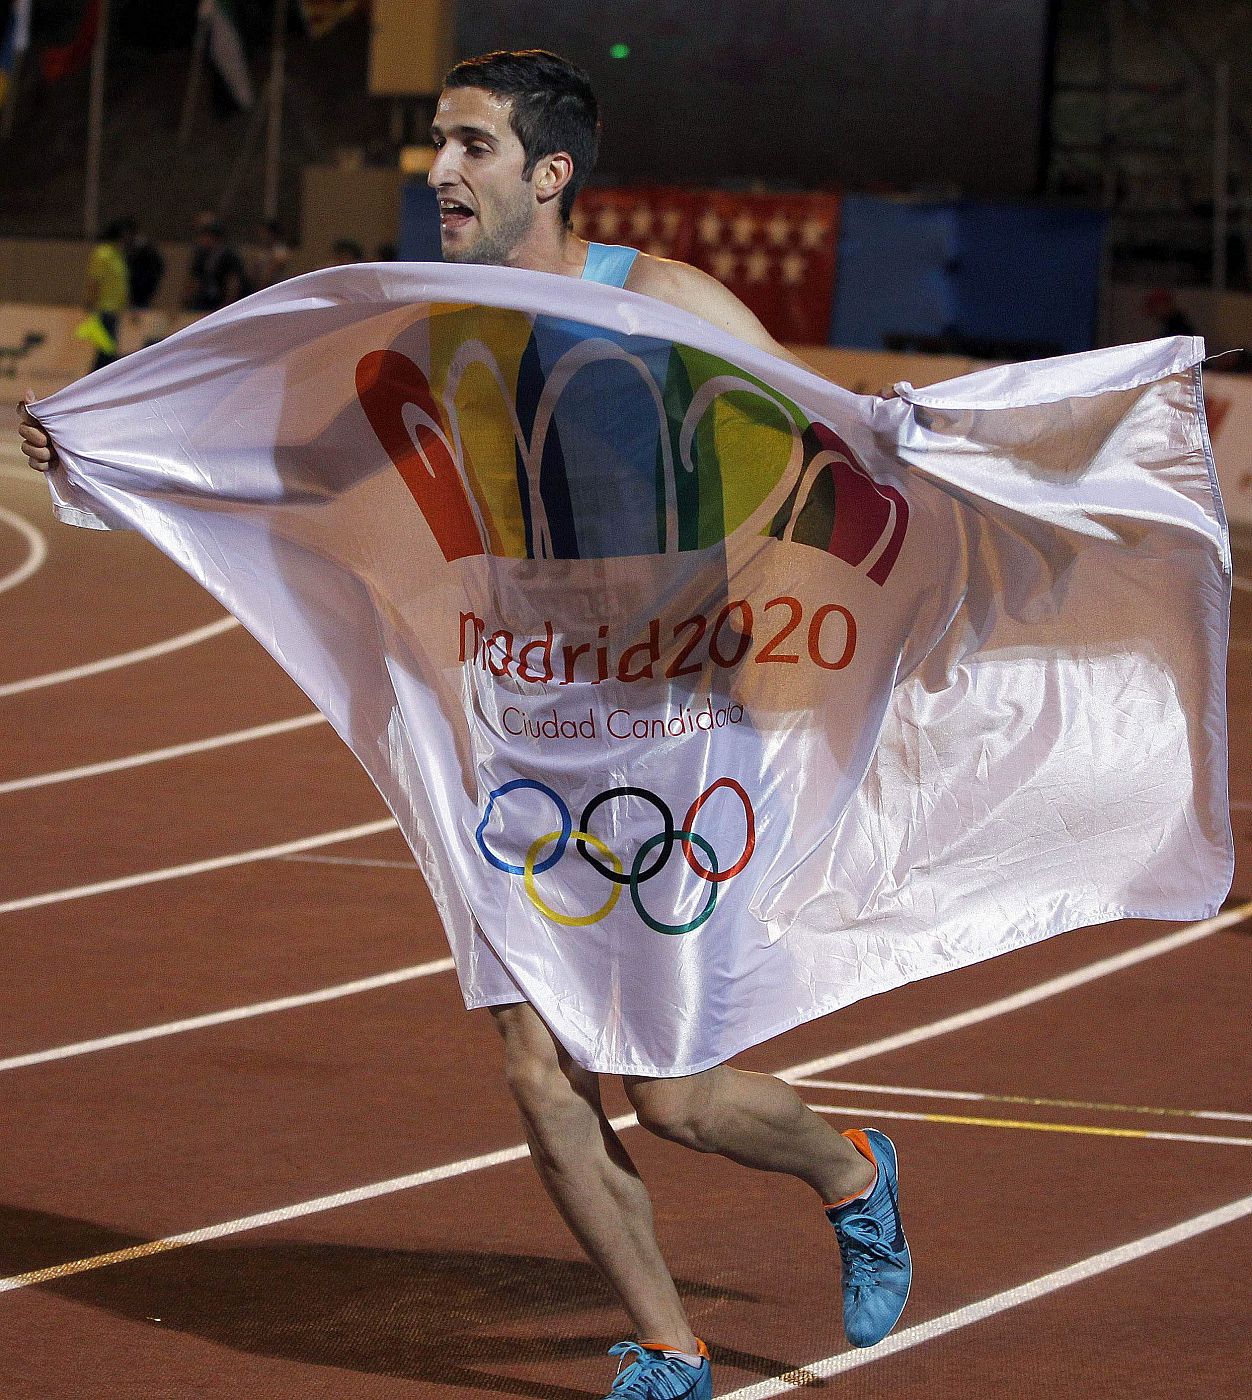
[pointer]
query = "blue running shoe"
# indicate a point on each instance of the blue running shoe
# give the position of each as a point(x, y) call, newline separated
point(877, 1269)
point(653, 1375)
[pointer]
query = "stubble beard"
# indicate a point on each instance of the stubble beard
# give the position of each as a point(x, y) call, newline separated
point(493, 249)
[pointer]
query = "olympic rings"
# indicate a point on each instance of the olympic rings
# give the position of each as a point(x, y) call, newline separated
point(704, 913)
point(563, 834)
point(640, 871)
point(749, 840)
point(569, 920)
point(638, 877)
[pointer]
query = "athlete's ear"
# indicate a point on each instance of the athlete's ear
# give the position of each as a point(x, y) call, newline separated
point(552, 174)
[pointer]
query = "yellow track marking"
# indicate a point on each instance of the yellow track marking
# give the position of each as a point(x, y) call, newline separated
point(861, 1111)
point(1027, 1100)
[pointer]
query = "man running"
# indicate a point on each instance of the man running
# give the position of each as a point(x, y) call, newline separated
point(516, 136)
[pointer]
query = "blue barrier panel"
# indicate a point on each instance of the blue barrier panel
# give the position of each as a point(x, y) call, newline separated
point(419, 223)
point(1029, 274)
point(991, 280)
point(892, 271)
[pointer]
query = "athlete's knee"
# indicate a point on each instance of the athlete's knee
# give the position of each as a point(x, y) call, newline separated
point(680, 1110)
point(534, 1071)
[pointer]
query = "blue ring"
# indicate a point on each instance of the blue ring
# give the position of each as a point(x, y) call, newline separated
point(567, 826)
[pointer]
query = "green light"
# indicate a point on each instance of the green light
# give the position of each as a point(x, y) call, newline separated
point(619, 50)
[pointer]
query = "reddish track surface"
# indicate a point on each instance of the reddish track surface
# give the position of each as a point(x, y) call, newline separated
point(467, 1286)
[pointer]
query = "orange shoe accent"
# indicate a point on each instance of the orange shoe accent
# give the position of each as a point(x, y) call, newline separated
point(682, 1351)
point(856, 1136)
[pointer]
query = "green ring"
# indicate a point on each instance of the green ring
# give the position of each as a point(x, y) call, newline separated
point(637, 866)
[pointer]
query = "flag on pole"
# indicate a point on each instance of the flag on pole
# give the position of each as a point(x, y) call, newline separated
point(64, 60)
point(709, 696)
point(14, 45)
point(226, 49)
point(321, 16)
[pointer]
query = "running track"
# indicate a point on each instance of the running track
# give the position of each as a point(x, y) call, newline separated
point(254, 1147)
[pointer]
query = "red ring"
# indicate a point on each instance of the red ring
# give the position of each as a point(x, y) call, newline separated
point(717, 876)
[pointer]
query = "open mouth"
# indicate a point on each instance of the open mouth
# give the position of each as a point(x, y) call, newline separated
point(453, 215)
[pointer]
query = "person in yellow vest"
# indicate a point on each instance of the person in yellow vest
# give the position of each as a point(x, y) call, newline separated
point(108, 290)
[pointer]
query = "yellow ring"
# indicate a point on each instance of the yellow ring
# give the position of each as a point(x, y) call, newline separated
point(569, 920)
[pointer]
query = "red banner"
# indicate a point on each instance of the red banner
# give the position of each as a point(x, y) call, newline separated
point(776, 252)
point(64, 60)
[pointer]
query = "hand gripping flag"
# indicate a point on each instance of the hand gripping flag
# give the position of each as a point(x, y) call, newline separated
point(709, 696)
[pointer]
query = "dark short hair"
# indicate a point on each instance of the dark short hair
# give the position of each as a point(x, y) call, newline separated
point(553, 107)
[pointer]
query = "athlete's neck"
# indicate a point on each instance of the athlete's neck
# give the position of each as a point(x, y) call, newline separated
point(550, 249)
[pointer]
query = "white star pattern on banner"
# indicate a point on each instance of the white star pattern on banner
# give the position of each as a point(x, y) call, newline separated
point(772, 250)
point(793, 267)
point(813, 233)
point(757, 265)
point(608, 221)
point(709, 228)
point(778, 231)
point(743, 229)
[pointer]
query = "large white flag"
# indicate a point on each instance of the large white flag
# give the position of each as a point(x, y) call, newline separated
point(710, 697)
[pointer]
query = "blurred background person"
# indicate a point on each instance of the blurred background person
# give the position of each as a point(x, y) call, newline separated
point(268, 259)
point(344, 251)
point(217, 275)
point(145, 267)
point(107, 292)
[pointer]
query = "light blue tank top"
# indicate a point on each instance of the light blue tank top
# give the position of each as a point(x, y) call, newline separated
point(609, 263)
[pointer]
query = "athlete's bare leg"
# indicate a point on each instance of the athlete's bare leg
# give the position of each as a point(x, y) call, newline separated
point(589, 1174)
point(753, 1119)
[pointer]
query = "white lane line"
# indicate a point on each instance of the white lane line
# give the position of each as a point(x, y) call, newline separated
point(965, 1096)
point(269, 1217)
point(928, 1331)
point(199, 867)
point(354, 860)
point(36, 550)
point(125, 658)
point(137, 760)
point(440, 1173)
point(235, 1013)
point(1180, 938)
point(1026, 1125)
point(800, 1074)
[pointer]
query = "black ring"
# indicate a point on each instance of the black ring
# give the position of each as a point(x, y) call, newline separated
point(667, 837)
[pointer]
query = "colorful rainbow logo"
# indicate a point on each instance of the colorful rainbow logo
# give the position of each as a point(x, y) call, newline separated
point(540, 438)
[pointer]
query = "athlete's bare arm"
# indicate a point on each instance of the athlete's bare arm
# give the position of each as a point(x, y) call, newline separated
point(688, 288)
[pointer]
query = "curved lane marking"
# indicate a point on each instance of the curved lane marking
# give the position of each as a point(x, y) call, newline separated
point(137, 760)
point(125, 658)
point(36, 550)
point(198, 867)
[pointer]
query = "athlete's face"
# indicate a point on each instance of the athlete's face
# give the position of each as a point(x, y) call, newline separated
point(487, 206)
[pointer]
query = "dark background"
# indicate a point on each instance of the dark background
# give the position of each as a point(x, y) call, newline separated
point(802, 92)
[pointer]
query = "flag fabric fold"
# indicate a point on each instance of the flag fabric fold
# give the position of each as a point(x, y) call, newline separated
point(13, 45)
point(227, 51)
point(709, 696)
